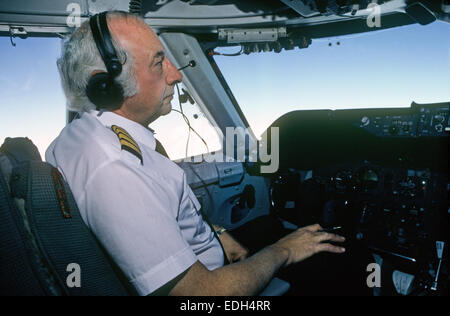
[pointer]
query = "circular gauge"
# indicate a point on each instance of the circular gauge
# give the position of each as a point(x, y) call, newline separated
point(342, 179)
point(366, 179)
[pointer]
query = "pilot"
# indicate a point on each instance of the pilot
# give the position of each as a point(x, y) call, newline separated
point(137, 202)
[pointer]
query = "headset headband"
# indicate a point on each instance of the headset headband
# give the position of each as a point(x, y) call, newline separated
point(103, 40)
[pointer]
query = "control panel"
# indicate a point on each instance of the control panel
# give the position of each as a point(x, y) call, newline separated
point(417, 121)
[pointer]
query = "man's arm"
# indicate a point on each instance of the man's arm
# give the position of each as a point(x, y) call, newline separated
point(250, 276)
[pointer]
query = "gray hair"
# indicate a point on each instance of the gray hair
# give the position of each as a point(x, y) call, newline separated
point(80, 57)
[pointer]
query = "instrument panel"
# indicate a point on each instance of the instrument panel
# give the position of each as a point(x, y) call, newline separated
point(417, 121)
point(379, 175)
point(393, 210)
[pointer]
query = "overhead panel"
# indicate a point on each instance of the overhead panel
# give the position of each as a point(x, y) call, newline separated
point(49, 12)
point(252, 35)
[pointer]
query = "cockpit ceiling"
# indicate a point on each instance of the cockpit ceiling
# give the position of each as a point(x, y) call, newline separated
point(209, 16)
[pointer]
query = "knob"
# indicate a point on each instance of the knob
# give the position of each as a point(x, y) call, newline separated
point(439, 118)
point(393, 129)
point(365, 121)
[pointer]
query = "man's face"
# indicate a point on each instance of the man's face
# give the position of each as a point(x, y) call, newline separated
point(155, 74)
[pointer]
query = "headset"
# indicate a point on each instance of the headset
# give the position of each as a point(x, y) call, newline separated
point(102, 89)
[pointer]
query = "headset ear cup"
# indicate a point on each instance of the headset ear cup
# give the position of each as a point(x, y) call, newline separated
point(104, 92)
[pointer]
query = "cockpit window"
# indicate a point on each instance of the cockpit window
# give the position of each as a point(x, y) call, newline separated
point(387, 68)
point(32, 103)
point(175, 135)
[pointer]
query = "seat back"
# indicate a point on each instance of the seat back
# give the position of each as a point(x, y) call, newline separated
point(18, 261)
point(45, 247)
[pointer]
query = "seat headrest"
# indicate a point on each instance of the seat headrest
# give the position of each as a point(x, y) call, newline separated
point(20, 149)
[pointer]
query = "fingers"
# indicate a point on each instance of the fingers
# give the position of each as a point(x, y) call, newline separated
point(331, 237)
point(314, 228)
point(329, 248)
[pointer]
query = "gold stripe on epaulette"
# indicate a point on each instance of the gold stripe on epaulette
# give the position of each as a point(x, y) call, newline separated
point(127, 142)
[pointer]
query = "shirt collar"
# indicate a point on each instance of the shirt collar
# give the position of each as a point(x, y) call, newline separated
point(139, 133)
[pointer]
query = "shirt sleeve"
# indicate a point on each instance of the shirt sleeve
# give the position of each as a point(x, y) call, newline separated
point(134, 218)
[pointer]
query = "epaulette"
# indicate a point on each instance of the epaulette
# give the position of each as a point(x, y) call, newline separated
point(127, 142)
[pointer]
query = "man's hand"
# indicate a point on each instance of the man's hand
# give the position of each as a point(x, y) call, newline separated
point(250, 276)
point(233, 249)
point(307, 241)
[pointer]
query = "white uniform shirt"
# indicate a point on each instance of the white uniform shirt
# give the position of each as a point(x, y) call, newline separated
point(145, 215)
